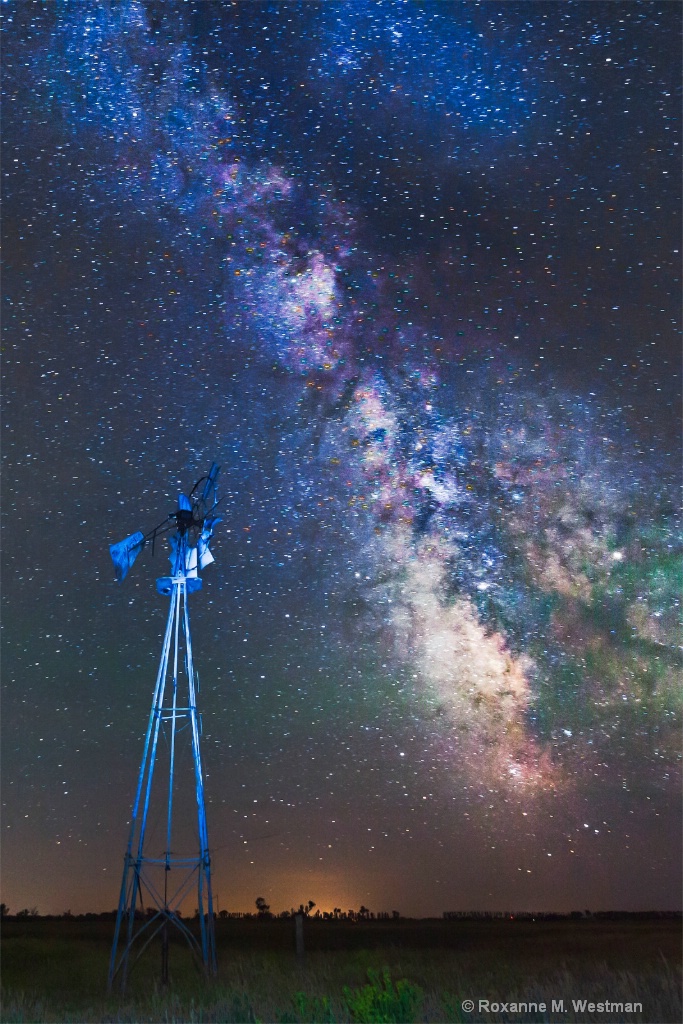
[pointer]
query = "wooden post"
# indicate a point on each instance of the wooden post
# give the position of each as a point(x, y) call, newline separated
point(299, 932)
point(164, 955)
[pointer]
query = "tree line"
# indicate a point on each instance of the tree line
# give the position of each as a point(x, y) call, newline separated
point(263, 913)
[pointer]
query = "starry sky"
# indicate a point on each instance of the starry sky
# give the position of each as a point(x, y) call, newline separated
point(410, 273)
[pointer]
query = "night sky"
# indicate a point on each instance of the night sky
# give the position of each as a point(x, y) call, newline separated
point(409, 273)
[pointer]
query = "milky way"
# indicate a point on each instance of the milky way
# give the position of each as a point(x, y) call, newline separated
point(409, 273)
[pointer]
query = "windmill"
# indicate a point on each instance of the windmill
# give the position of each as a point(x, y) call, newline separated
point(164, 878)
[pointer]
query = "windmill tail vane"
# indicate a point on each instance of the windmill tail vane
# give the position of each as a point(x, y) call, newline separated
point(194, 525)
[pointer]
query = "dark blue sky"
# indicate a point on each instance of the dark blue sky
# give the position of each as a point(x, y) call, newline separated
point(410, 273)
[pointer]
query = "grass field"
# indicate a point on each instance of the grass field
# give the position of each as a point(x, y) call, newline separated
point(55, 971)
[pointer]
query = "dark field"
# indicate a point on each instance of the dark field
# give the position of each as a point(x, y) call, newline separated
point(380, 971)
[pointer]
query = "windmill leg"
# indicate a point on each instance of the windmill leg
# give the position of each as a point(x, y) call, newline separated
point(206, 922)
point(131, 887)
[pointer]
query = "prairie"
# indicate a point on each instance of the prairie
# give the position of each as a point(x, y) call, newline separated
point(380, 971)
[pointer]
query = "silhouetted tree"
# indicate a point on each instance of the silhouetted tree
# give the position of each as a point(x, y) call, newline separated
point(4, 910)
point(262, 907)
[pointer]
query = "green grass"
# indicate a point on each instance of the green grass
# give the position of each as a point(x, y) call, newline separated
point(56, 972)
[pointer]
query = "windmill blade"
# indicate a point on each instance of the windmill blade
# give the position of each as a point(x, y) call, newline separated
point(205, 556)
point(209, 525)
point(211, 481)
point(125, 552)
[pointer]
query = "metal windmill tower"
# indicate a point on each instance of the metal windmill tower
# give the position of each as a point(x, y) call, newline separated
point(163, 878)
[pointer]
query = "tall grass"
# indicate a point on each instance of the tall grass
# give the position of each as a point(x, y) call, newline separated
point(54, 976)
